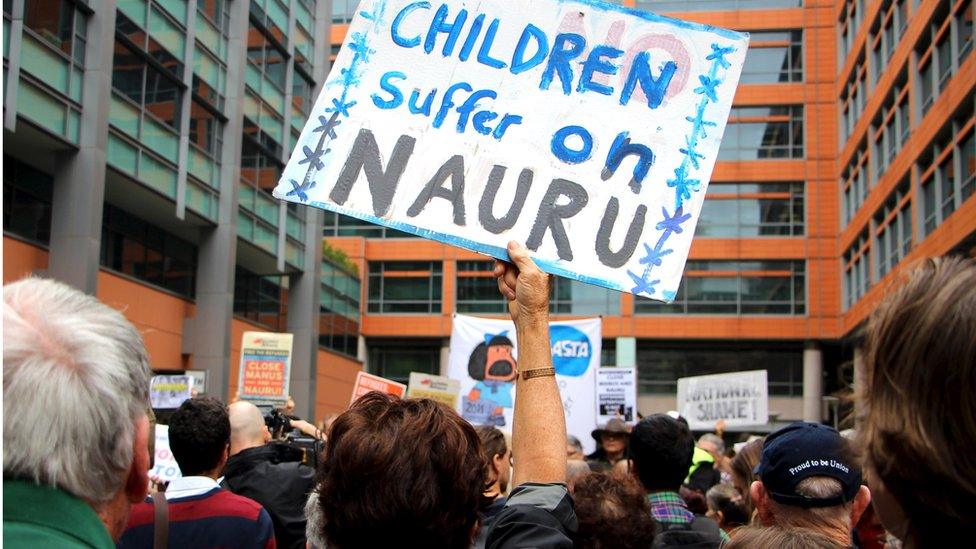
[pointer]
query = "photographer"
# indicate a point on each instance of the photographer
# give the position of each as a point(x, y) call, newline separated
point(270, 473)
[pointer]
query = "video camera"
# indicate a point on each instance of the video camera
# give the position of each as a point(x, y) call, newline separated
point(291, 446)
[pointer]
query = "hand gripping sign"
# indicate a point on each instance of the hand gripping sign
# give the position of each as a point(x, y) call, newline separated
point(586, 130)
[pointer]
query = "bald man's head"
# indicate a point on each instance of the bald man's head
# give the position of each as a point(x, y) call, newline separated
point(247, 428)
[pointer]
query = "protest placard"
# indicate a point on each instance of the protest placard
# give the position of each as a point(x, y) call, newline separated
point(484, 357)
point(586, 130)
point(168, 392)
point(439, 388)
point(368, 382)
point(164, 466)
point(740, 398)
point(265, 366)
point(616, 394)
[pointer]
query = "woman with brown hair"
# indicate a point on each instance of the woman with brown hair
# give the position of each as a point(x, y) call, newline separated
point(412, 473)
point(917, 414)
point(743, 467)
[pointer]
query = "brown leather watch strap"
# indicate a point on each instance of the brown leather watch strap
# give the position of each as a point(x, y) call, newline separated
point(538, 372)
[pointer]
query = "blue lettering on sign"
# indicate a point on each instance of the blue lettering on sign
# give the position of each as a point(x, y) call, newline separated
point(571, 350)
point(394, 28)
point(566, 154)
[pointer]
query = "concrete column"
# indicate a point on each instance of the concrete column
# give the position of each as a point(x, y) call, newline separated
point(445, 356)
point(812, 383)
point(626, 352)
point(207, 335)
point(79, 177)
point(12, 84)
point(304, 295)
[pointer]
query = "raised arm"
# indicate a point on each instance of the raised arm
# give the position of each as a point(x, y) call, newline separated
point(539, 430)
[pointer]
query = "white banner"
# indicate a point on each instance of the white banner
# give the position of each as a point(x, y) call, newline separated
point(587, 130)
point(740, 398)
point(165, 466)
point(483, 357)
point(616, 394)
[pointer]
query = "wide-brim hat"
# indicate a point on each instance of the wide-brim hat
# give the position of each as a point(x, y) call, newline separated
point(615, 425)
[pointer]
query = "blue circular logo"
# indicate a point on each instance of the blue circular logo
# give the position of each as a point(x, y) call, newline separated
point(571, 350)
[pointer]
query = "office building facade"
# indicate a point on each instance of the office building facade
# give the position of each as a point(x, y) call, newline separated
point(142, 139)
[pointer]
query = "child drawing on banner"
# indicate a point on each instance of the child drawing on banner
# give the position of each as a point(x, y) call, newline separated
point(493, 366)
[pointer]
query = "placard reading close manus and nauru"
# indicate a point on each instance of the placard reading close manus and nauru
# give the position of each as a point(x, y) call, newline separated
point(586, 130)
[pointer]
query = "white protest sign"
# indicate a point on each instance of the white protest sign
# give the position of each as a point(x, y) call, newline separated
point(586, 130)
point(483, 356)
point(167, 392)
point(616, 394)
point(439, 388)
point(165, 466)
point(741, 399)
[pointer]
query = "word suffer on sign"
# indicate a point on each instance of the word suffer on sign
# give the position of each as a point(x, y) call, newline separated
point(586, 130)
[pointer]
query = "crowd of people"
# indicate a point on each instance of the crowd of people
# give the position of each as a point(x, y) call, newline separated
point(394, 472)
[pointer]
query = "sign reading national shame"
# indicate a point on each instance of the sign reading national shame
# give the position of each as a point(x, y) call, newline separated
point(584, 129)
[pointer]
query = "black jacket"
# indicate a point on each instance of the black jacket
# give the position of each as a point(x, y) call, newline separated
point(272, 476)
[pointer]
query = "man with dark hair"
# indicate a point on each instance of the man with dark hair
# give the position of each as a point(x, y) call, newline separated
point(200, 513)
point(808, 478)
point(661, 448)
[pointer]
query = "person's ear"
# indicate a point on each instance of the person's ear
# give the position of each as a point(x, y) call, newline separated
point(137, 479)
point(497, 463)
point(757, 492)
point(861, 502)
point(720, 517)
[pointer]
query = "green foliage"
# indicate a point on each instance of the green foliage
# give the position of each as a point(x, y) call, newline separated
point(339, 258)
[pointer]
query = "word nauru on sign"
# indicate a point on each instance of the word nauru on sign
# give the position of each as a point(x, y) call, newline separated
point(586, 130)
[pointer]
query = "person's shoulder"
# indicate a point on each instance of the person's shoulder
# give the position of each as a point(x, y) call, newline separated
point(21, 534)
point(235, 505)
point(535, 515)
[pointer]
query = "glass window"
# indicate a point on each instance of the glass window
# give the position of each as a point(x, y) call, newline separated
point(854, 183)
point(155, 91)
point(138, 249)
point(893, 222)
point(856, 272)
point(661, 364)
point(774, 56)
point(267, 56)
point(217, 11)
point(343, 10)
point(404, 287)
point(748, 210)
point(946, 169)
point(477, 289)
point(343, 225)
point(755, 133)
point(396, 359)
point(261, 299)
point(205, 129)
point(53, 21)
point(339, 310)
point(27, 194)
point(736, 288)
point(939, 55)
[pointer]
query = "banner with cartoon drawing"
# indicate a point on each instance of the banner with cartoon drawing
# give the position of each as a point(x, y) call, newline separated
point(484, 357)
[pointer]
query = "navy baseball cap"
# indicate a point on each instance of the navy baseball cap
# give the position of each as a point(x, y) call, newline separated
point(802, 450)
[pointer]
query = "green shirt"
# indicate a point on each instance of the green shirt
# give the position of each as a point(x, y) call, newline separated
point(41, 516)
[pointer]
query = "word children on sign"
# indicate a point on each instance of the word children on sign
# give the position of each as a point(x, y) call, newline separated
point(740, 399)
point(586, 130)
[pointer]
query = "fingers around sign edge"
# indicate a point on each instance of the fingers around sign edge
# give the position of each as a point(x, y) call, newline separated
point(506, 291)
